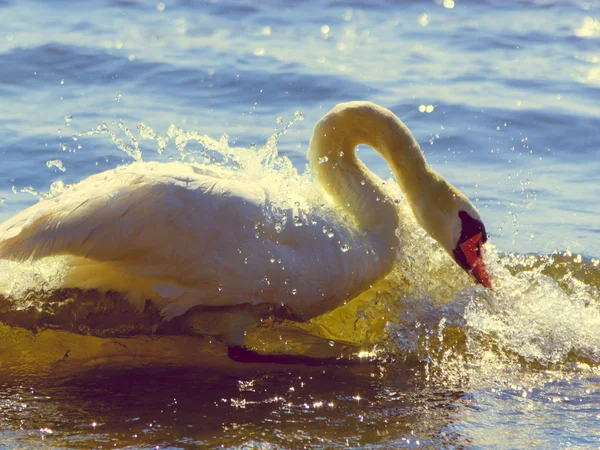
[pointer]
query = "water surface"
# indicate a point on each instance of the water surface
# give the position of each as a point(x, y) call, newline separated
point(504, 99)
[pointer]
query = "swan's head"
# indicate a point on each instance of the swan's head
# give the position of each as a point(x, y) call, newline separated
point(451, 219)
point(468, 252)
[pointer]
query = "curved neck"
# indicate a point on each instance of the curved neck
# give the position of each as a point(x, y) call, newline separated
point(347, 180)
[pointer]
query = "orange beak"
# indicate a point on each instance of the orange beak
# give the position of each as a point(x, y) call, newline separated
point(472, 251)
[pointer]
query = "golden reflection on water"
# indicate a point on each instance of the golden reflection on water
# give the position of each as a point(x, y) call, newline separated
point(590, 28)
point(344, 333)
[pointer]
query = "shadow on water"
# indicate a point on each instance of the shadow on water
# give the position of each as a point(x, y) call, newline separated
point(276, 406)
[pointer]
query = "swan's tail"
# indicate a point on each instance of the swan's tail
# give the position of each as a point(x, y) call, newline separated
point(51, 228)
point(25, 238)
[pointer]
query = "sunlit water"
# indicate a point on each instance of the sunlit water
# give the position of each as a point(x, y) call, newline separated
point(503, 98)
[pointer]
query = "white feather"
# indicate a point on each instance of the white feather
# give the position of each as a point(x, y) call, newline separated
point(184, 235)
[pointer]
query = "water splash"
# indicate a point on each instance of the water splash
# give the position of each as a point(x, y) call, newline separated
point(56, 163)
point(132, 149)
point(543, 312)
point(148, 133)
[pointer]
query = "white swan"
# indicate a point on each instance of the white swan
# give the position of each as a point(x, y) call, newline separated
point(184, 235)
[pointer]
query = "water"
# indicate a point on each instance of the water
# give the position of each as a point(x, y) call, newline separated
point(503, 98)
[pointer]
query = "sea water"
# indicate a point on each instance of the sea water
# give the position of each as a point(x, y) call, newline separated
point(503, 98)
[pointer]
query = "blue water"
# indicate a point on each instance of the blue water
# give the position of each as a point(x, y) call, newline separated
point(504, 98)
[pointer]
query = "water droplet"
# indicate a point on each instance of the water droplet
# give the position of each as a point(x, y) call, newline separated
point(278, 119)
point(323, 160)
point(56, 163)
point(341, 153)
point(294, 291)
point(344, 248)
point(331, 343)
point(62, 81)
point(160, 7)
point(68, 119)
point(272, 260)
point(298, 115)
point(330, 234)
point(220, 288)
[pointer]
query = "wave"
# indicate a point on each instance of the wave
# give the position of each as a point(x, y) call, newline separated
point(543, 312)
point(212, 85)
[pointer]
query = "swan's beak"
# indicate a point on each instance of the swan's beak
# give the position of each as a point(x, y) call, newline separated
point(472, 249)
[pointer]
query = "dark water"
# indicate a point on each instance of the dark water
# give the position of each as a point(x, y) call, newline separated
point(503, 97)
point(182, 408)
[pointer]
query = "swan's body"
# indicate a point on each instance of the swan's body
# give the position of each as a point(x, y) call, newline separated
point(184, 235)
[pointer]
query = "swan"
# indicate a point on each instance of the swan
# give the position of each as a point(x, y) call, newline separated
point(183, 235)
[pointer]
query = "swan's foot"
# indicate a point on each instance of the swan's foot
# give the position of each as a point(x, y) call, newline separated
point(230, 324)
point(262, 333)
point(244, 355)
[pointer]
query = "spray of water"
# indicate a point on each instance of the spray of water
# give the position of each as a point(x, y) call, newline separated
point(544, 310)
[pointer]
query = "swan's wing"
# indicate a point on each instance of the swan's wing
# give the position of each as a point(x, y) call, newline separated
point(185, 236)
point(139, 217)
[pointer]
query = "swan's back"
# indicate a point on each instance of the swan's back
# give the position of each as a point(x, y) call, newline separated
point(185, 235)
point(144, 204)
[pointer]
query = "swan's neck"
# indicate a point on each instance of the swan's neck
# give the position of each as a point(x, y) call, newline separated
point(348, 181)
